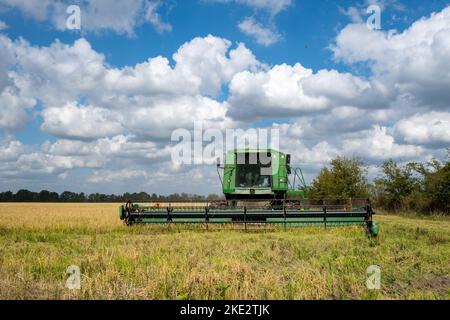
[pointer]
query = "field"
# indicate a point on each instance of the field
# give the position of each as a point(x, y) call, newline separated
point(39, 241)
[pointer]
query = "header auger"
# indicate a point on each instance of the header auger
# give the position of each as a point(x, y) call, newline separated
point(257, 190)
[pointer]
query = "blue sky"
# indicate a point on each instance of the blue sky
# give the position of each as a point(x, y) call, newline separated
point(311, 23)
point(360, 90)
point(307, 29)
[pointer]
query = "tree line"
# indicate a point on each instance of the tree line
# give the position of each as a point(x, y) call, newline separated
point(407, 187)
point(24, 195)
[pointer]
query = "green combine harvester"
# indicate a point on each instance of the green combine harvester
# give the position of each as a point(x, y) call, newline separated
point(258, 190)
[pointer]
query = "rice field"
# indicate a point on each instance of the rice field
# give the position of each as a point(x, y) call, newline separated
point(39, 241)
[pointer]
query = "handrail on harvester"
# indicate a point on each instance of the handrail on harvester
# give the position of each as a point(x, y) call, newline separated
point(298, 173)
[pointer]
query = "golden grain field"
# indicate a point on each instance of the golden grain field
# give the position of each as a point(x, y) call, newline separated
point(39, 241)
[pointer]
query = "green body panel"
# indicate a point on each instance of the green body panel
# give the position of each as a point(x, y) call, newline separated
point(374, 229)
point(279, 174)
point(121, 213)
point(229, 174)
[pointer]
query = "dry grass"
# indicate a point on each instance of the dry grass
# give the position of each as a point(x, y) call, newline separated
point(39, 241)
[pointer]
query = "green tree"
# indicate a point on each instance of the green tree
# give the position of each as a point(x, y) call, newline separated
point(47, 196)
point(397, 185)
point(7, 196)
point(347, 178)
point(68, 196)
point(435, 186)
point(25, 195)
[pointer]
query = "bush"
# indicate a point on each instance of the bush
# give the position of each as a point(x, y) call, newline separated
point(347, 178)
point(414, 187)
point(436, 186)
point(396, 186)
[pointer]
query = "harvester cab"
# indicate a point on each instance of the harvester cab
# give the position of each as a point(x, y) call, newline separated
point(260, 174)
point(260, 187)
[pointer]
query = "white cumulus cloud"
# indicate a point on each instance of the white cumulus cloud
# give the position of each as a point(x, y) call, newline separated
point(120, 16)
point(426, 129)
point(80, 122)
point(415, 61)
point(263, 35)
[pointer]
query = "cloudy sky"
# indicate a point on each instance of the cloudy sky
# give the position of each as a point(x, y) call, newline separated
point(93, 109)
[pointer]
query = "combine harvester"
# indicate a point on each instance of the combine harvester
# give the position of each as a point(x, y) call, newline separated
point(257, 191)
